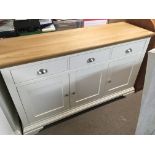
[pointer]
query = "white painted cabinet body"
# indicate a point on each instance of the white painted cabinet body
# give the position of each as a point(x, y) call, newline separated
point(122, 74)
point(46, 97)
point(49, 90)
point(87, 84)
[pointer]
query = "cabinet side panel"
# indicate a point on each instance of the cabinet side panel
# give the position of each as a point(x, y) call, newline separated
point(14, 95)
point(9, 109)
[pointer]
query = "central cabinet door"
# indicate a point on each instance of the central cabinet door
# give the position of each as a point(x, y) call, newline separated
point(45, 97)
point(87, 84)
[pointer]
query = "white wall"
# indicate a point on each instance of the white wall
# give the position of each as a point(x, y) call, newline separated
point(146, 122)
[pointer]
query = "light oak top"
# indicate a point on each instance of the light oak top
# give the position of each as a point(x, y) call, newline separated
point(31, 48)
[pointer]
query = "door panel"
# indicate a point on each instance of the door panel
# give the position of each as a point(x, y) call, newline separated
point(122, 74)
point(87, 84)
point(45, 97)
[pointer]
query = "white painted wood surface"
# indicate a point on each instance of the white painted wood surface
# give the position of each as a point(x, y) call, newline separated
point(87, 84)
point(121, 50)
point(146, 122)
point(122, 74)
point(46, 97)
point(5, 128)
point(9, 120)
point(30, 72)
point(99, 55)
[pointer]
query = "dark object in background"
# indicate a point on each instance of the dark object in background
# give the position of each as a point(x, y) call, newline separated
point(67, 24)
point(13, 28)
point(7, 29)
point(8, 34)
point(45, 23)
point(29, 25)
point(34, 26)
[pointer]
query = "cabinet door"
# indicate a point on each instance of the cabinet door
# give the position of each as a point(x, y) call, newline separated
point(45, 97)
point(87, 84)
point(122, 74)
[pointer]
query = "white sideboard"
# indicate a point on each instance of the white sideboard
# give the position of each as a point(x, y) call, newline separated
point(49, 90)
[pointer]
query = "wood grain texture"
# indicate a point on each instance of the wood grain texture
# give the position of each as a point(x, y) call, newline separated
point(25, 49)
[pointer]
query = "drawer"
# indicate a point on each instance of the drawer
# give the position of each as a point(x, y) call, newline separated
point(40, 69)
point(127, 49)
point(91, 57)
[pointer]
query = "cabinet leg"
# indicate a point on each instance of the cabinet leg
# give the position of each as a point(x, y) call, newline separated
point(130, 92)
point(34, 131)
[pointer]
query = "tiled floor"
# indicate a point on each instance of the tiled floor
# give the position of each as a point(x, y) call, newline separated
point(117, 117)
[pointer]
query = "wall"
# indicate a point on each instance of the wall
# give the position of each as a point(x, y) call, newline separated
point(146, 122)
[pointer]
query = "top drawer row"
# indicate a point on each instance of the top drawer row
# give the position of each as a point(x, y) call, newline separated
point(44, 68)
point(101, 55)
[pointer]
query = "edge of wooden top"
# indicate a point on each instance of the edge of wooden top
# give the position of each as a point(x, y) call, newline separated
point(43, 57)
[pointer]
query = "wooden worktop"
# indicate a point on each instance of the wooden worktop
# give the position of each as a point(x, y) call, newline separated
point(25, 49)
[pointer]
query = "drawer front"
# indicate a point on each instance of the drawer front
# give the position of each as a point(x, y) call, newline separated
point(127, 49)
point(91, 57)
point(36, 70)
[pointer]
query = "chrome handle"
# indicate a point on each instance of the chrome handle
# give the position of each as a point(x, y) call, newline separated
point(90, 60)
point(42, 71)
point(128, 50)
